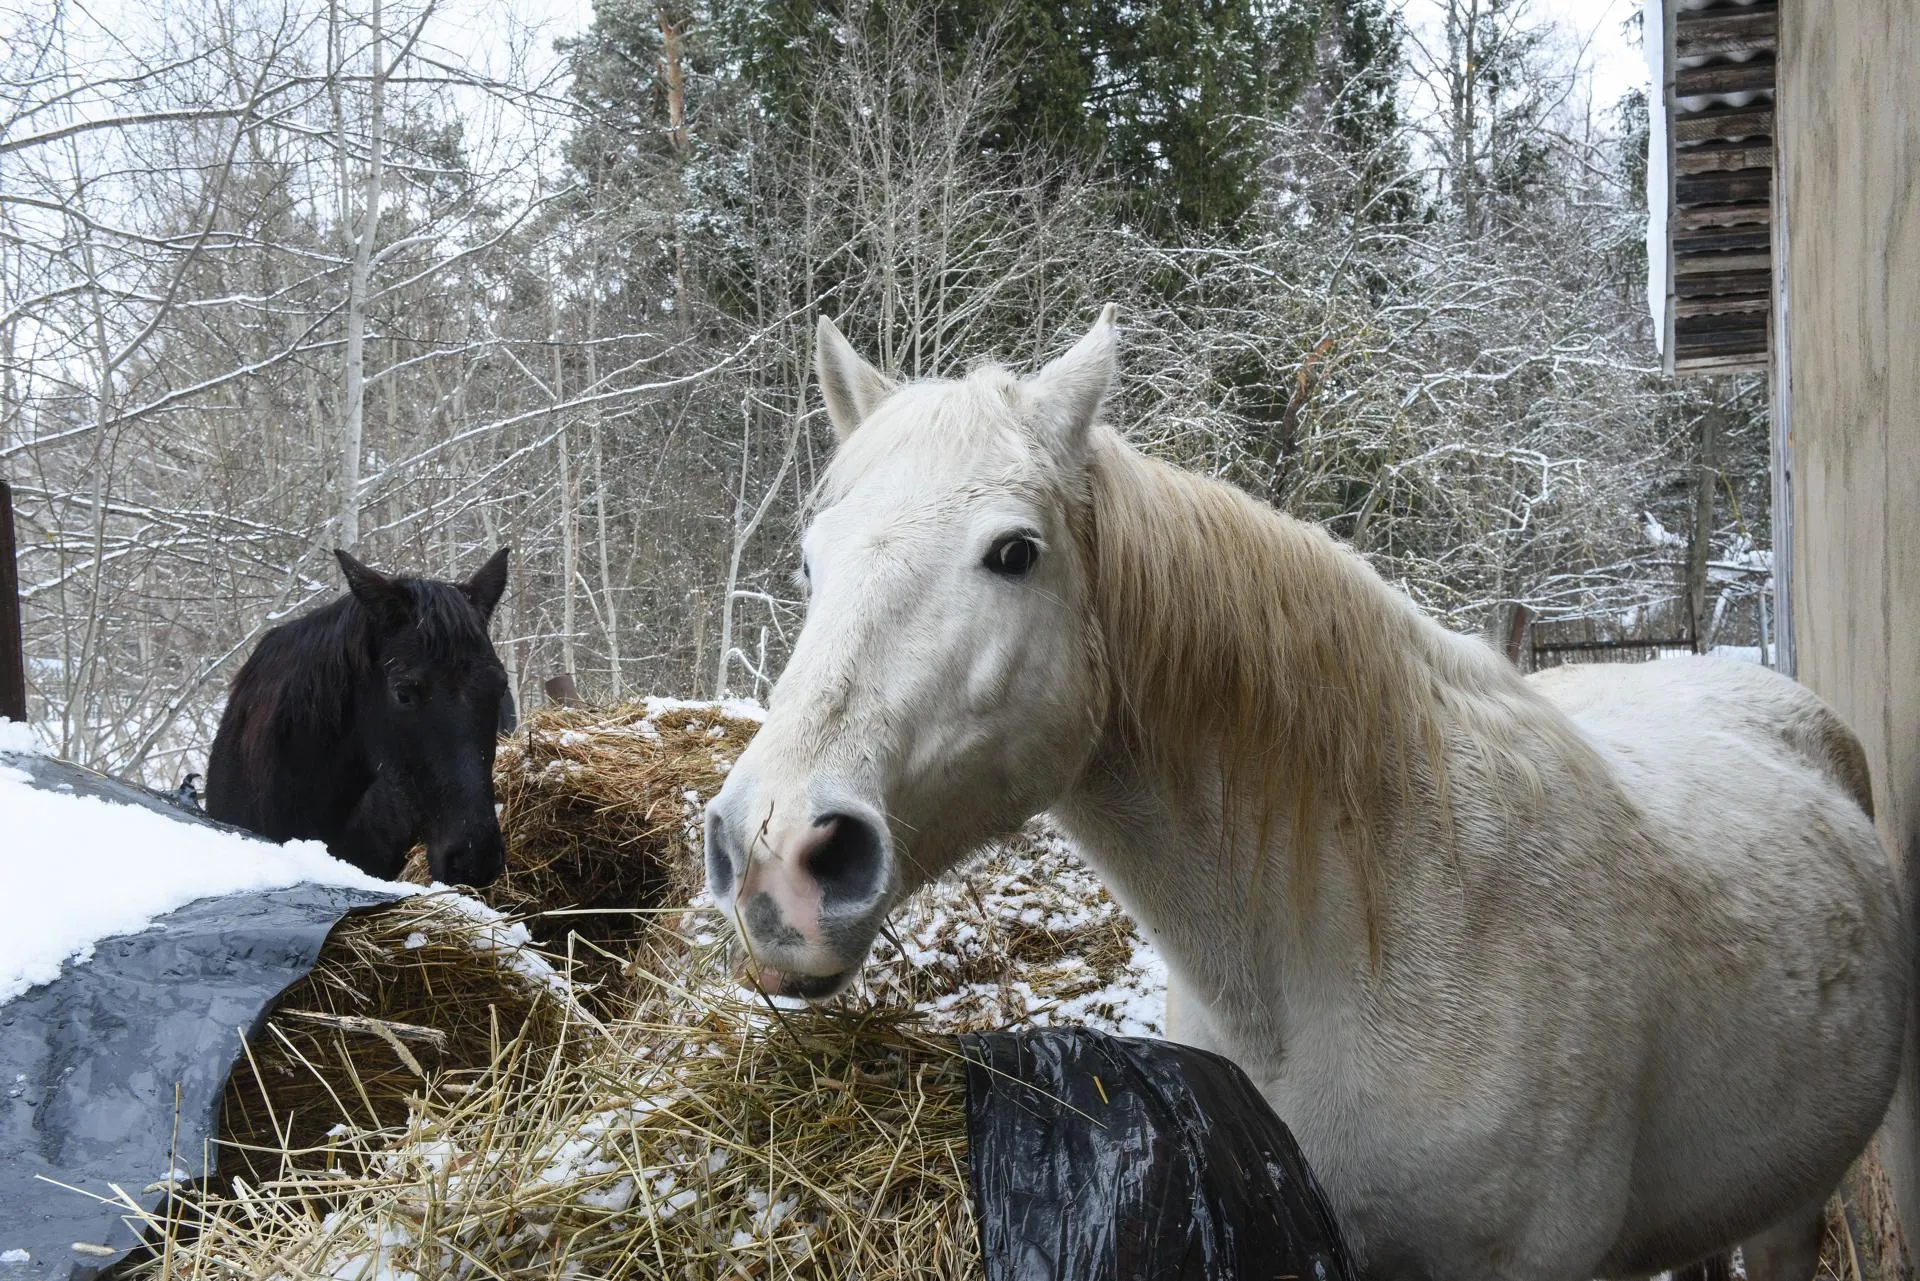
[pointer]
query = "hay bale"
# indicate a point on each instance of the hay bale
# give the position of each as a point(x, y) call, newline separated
point(403, 1001)
point(712, 1137)
point(702, 1133)
point(601, 810)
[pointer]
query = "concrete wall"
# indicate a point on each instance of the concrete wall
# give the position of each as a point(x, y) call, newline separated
point(1848, 139)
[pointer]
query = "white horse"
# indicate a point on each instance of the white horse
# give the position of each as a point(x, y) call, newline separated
point(1593, 974)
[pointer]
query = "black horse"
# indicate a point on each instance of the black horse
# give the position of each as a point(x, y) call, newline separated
point(370, 724)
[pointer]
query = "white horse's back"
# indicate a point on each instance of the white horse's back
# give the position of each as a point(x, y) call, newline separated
point(1611, 701)
point(1781, 1013)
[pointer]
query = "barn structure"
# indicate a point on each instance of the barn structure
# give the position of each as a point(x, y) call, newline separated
point(1789, 151)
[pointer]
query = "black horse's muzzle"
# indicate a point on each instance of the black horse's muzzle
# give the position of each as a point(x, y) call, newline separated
point(475, 857)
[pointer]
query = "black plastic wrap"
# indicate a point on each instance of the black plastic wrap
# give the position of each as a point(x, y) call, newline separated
point(1103, 1158)
point(90, 1063)
point(54, 775)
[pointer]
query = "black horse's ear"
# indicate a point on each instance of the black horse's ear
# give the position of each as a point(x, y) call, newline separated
point(385, 599)
point(488, 584)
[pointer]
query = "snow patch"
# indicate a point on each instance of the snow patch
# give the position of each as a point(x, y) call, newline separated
point(80, 869)
point(511, 943)
point(17, 738)
point(745, 709)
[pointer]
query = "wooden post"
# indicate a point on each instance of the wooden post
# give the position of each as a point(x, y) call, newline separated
point(563, 691)
point(1517, 633)
point(1706, 475)
point(13, 666)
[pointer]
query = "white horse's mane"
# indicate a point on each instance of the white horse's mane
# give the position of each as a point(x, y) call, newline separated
point(1235, 634)
point(1231, 633)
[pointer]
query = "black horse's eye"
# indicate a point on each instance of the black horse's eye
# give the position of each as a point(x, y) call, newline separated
point(406, 693)
point(1012, 555)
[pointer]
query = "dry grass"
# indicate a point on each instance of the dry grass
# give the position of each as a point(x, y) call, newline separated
point(710, 1137)
point(601, 808)
point(1864, 1241)
point(401, 1000)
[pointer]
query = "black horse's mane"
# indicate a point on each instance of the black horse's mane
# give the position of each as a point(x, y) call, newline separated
point(302, 676)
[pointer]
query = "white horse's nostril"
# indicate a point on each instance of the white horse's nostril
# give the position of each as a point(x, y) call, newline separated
point(847, 857)
point(722, 855)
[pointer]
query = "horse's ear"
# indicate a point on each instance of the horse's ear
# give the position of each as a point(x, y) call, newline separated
point(385, 599)
point(1067, 393)
point(853, 388)
point(488, 584)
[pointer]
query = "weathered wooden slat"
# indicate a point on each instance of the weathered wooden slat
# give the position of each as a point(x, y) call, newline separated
point(1719, 334)
point(1725, 18)
point(1693, 264)
point(1739, 363)
point(1723, 305)
point(1688, 218)
point(1722, 282)
point(1724, 322)
point(1709, 157)
point(1745, 342)
point(1723, 77)
point(1720, 355)
point(1755, 121)
point(1716, 239)
point(1700, 32)
point(1733, 186)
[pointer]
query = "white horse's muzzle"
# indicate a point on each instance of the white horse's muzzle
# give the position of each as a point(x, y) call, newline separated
point(806, 896)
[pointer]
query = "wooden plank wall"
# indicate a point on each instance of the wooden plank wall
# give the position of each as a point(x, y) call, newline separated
point(1850, 183)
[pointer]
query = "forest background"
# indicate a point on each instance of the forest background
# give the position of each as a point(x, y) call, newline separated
point(278, 276)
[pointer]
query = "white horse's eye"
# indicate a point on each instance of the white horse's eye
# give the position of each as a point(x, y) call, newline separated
point(1012, 555)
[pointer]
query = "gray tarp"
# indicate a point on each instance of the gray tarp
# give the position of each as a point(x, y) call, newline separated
point(113, 1072)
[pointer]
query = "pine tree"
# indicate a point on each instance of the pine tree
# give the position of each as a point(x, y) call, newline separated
point(1166, 101)
point(1360, 72)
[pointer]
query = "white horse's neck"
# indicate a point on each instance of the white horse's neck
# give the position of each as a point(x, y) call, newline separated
point(1282, 728)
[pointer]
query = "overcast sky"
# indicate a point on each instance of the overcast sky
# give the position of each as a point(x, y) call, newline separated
point(1593, 31)
point(1613, 55)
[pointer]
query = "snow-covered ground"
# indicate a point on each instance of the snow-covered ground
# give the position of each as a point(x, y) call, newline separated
point(77, 870)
